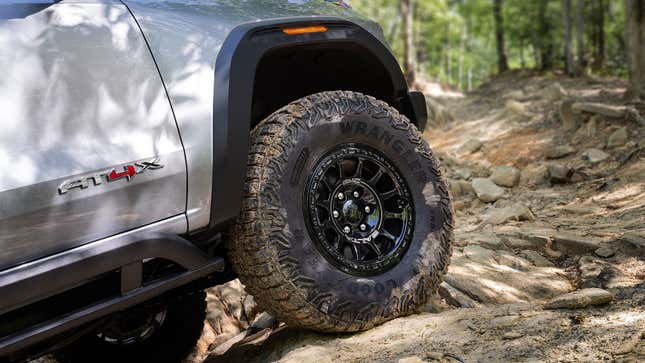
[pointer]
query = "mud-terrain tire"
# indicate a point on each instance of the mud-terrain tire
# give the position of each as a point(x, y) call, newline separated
point(172, 341)
point(275, 246)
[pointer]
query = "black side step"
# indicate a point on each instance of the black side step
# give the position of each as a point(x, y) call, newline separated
point(29, 283)
point(39, 333)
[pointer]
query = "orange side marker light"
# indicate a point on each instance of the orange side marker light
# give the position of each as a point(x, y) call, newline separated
point(305, 30)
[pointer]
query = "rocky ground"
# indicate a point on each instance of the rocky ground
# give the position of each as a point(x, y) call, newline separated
point(548, 180)
point(547, 175)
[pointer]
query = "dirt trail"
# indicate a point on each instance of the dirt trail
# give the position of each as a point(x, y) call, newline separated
point(556, 218)
point(549, 200)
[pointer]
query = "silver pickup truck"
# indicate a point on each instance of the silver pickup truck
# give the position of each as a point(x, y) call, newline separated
point(152, 149)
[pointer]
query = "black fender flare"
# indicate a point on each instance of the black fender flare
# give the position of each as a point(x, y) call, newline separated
point(235, 69)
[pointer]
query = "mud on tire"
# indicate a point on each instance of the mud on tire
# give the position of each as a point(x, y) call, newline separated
point(275, 245)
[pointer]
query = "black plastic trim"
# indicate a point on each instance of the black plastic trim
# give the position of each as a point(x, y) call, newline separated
point(43, 278)
point(50, 329)
point(235, 69)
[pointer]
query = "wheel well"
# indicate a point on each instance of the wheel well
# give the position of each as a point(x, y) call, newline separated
point(286, 74)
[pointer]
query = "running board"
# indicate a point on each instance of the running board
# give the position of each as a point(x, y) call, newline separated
point(132, 297)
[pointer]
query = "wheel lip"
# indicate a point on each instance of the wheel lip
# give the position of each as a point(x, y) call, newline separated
point(395, 256)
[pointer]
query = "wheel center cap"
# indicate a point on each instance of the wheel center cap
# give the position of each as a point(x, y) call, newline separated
point(352, 212)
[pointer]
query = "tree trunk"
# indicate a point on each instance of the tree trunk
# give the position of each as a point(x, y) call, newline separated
point(580, 32)
point(406, 33)
point(566, 20)
point(599, 36)
point(544, 37)
point(502, 62)
point(635, 36)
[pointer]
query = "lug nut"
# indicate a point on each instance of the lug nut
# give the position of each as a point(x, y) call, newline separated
point(341, 196)
point(363, 227)
point(335, 214)
point(346, 229)
point(368, 209)
point(356, 194)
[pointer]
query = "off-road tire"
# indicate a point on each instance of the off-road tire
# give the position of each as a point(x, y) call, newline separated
point(272, 249)
point(172, 342)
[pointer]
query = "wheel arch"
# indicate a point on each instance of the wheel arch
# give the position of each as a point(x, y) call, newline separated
point(256, 56)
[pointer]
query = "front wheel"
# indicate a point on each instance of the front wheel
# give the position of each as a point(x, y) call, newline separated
point(346, 221)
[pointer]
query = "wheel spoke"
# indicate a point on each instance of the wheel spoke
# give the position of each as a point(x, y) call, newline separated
point(388, 235)
point(357, 254)
point(375, 178)
point(323, 205)
point(341, 174)
point(392, 215)
point(359, 169)
point(390, 194)
point(326, 183)
point(373, 245)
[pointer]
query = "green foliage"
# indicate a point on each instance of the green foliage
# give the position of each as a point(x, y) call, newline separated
point(453, 37)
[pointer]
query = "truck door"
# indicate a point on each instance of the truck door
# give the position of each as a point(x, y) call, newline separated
point(88, 143)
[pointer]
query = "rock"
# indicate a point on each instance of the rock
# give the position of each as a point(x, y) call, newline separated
point(605, 252)
point(628, 345)
point(514, 212)
point(559, 151)
point(569, 119)
point(437, 113)
point(633, 239)
point(460, 187)
point(230, 310)
point(599, 108)
point(486, 190)
point(490, 240)
point(499, 277)
point(455, 297)
point(572, 244)
point(413, 359)
point(515, 95)
point(517, 108)
point(580, 299)
point(559, 173)
point(595, 156)
point(534, 175)
point(512, 335)
point(506, 176)
point(536, 258)
point(618, 137)
point(554, 92)
point(518, 243)
point(587, 131)
point(464, 173)
point(470, 146)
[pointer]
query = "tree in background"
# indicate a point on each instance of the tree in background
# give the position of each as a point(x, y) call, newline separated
point(635, 35)
point(566, 21)
point(580, 33)
point(502, 62)
point(407, 38)
point(455, 41)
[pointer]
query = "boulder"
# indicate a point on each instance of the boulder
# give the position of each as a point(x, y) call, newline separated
point(580, 299)
point(506, 176)
point(554, 92)
point(599, 109)
point(455, 297)
point(568, 118)
point(586, 131)
point(573, 244)
point(514, 212)
point(618, 137)
point(595, 156)
point(486, 190)
point(559, 173)
point(534, 175)
point(470, 146)
point(536, 258)
point(559, 151)
point(605, 252)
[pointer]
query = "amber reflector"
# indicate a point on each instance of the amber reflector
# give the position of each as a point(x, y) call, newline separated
point(305, 30)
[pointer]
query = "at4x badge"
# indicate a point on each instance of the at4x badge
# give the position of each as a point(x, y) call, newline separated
point(126, 172)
